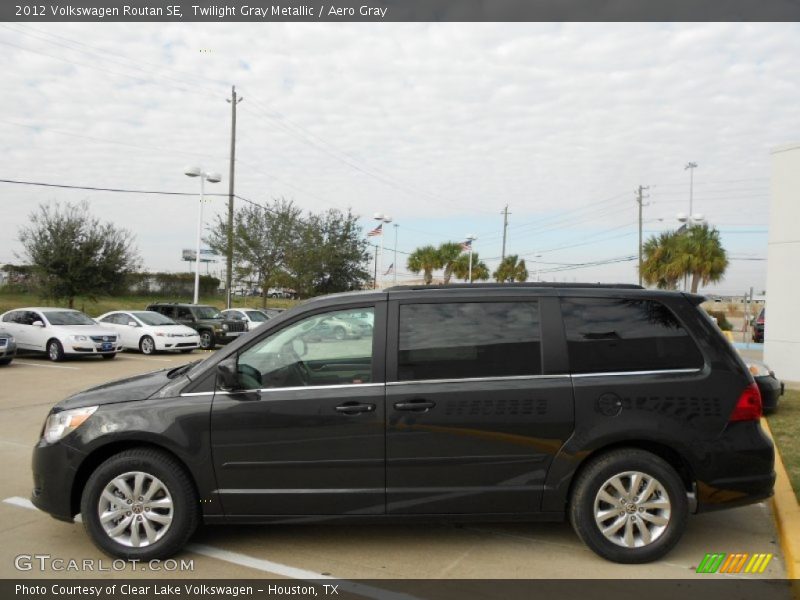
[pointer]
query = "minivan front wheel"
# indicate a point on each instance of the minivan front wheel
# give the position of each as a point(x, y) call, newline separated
point(140, 504)
point(629, 506)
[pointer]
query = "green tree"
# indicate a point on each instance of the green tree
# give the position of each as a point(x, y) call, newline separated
point(263, 238)
point(696, 252)
point(449, 252)
point(425, 260)
point(511, 269)
point(330, 256)
point(74, 254)
point(480, 272)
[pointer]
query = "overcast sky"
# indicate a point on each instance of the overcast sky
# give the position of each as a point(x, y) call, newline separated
point(440, 125)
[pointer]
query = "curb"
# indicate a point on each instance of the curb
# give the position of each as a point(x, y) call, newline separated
point(787, 517)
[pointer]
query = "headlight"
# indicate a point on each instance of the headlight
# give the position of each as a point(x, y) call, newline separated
point(65, 422)
point(78, 338)
point(224, 327)
point(758, 369)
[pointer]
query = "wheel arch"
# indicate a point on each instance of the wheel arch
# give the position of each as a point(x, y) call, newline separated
point(103, 453)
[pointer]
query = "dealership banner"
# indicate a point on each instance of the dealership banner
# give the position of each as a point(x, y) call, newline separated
point(261, 11)
point(395, 589)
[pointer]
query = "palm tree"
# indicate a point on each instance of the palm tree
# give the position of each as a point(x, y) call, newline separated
point(695, 251)
point(449, 252)
point(511, 269)
point(426, 260)
point(480, 272)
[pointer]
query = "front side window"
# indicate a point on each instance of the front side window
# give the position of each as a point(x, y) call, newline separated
point(470, 339)
point(623, 334)
point(324, 349)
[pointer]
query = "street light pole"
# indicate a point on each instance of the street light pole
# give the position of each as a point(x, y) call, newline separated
point(211, 178)
point(471, 238)
point(394, 280)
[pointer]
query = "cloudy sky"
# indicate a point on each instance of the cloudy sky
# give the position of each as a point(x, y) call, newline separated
point(439, 125)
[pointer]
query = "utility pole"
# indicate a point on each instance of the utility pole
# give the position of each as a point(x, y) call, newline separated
point(639, 199)
point(505, 231)
point(395, 254)
point(233, 101)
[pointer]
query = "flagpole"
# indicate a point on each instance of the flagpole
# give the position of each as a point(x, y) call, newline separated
point(383, 219)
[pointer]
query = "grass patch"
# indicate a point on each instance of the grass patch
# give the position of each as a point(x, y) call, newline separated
point(9, 301)
point(785, 426)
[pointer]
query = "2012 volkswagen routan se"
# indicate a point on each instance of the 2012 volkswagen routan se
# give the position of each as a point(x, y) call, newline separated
point(621, 409)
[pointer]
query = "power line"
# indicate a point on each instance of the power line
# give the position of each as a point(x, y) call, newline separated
point(102, 189)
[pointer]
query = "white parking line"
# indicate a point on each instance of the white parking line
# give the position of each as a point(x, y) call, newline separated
point(19, 362)
point(266, 566)
point(126, 357)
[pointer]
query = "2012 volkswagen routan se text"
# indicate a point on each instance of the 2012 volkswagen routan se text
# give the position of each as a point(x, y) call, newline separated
point(621, 409)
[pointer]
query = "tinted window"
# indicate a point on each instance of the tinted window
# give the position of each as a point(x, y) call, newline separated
point(615, 334)
point(470, 339)
point(11, 317)
point(67, 317)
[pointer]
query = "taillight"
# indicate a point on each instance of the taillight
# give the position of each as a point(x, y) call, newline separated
point(748, 407)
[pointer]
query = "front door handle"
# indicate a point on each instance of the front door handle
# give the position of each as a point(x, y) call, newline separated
point(415, 405)
point(354, 408)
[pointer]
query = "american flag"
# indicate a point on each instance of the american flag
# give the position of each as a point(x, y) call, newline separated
point(466, 245)
point(390, 269)
point(377, 231)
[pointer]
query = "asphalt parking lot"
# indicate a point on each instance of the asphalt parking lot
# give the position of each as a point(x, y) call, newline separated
point(30, 385)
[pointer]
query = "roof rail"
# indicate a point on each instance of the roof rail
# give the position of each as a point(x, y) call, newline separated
point(526, 284)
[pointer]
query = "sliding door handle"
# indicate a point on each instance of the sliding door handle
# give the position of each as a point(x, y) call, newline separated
point(419, 405)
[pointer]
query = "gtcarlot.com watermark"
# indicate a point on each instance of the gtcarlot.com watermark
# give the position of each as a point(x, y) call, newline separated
point(49, 563)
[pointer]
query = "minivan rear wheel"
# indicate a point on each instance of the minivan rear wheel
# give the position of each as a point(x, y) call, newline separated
point(629, 506)
point(140, 504)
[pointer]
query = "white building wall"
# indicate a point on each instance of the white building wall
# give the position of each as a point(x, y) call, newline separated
point(782, 324)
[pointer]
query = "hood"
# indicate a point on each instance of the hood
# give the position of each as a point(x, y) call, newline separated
point(130, 389)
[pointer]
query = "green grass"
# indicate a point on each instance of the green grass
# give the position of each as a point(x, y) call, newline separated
point(785, 426)
point(9, 301)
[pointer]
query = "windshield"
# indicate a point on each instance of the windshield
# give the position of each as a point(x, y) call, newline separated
point(207, 312)
point(68, 317)
point(149, 317)
point(256, 315)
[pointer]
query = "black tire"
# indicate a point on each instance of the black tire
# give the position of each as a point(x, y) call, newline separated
point(597, 474)
point(147, 345)
point(5, 361)
point(187, 350)
point(109, 356)
point(55, 351)
point(185, 505)
point(207, 340)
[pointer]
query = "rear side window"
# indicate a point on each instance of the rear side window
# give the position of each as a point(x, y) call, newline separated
point(618, 334)
point(470, 339)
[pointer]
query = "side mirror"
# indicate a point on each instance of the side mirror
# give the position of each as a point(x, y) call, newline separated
point(299, 346)
point(227, 374)
point(38, 324)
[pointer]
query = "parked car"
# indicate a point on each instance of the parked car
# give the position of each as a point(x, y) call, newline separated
point(60, 332)
point(758, 327)
point(339, 328)
point(8, 347)
point(771, 387)
point(620, 409)
point(281, 293)
point(209, 323)
point(272, 312)
point(251, 317)
point(150, 332)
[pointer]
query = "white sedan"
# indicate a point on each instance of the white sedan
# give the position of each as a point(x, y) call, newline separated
point(150, 332)
point(252, 317)
point(60, 332)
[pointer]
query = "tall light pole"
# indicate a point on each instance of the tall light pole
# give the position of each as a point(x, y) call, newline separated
point(384, 219)
point(211, 178)
point(691, 166)
point(471, 238)
point(394, 278)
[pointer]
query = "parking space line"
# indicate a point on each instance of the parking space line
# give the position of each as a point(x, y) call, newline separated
point(267, 566)
point(19, 362)
point(126, 357)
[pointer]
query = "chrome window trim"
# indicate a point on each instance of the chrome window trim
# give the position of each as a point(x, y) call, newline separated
point(478, 379)
point(294, 388)
point(624, 373)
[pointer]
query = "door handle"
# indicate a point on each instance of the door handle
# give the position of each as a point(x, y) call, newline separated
point(415, 405)
point(354, 409)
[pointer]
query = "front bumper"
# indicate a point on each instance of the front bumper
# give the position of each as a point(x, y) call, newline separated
point(54, 470)
point(89, 347)
point(226, 337)
point(8, 350)
point(181, 343)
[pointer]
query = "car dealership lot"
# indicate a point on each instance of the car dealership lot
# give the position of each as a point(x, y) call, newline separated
point(30, 385)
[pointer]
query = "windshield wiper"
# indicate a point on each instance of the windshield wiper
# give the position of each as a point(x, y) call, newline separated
point(181, 370)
